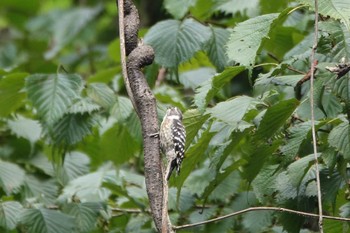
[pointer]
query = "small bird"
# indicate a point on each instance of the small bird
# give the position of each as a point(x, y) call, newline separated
point(173, 139)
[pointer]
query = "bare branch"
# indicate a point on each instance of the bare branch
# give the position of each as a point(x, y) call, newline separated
point(314, 140)
point(258, 209)
point(144, 102)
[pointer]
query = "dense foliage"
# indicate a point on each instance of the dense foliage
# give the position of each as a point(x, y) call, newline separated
point(70, 142)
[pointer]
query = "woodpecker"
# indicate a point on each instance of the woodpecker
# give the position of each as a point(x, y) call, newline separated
point(173, 139)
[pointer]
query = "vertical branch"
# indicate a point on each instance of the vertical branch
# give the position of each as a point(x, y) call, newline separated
point(144, 102)
point(314, 141)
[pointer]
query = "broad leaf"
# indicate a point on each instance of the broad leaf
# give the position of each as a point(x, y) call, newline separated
point(178, 8)
point(75, 164)
point(71, 129)
point(216, 47)
point(233, 111)
point(339, 138)
point(46, 221)
point(11, 177)
point(9, 212)
point(192, 156)
point(10, 92)
point(257, 155)
point(193, 78)
point(337, 9)
point(264, 185)
point(257, 221)
point(207, 90)
point(249, 7)
point(275, 117)
point(175, 42)
point(84, 105)
point(71, 23)
point(246, 38)
point(341, 39)
point(85, 214)
point(118, 145)
point(43, 190)
point(42, 162)
point(101, 94)
point(193, 121)
point(297, 134)
point(88, 188)
point(53, 94)
point(122, 109)
point(25, 128)
point(219, 178)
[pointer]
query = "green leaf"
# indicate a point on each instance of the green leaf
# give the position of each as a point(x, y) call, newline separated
point(118, 145)
point(193, 121)
point(257, 155)
point(337, 9)
point(25, 128)
point(101, 94)
point(282, 39)
point(11, 177)
point(85, 214)
point(257, 221)
point(341, 37)
point(113, 53)
point(219, 178)
point(42, 162)
point(9, 212)
point(298, 133)
point(71, 129)
point(243, 6)
point(207, 90)
point(46, 221)
point(233, 111)
point(175, 42)
point(11, 94)
point(106, 75)
point(246, 38)
point(331, 105)
point(331, 226)
point(122, 109)
point(193, 78)
point(339, 138)
point(342, 88)
point(75, 164)
point(192, 156)
point(53, 94)
point(264, 185)
point(71, 23)
point(275, 117)
point(178, 8)
point(299, 168)
point(216, 47)
point(83, 105)
point(41, 190)
point(88, 188)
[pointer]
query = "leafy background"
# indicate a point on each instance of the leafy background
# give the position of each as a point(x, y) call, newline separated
point(70, 144)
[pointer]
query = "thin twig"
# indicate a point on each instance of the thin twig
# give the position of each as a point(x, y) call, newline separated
point(129, 210)
point(313, 64)
point(258, 209)
point(295, 70)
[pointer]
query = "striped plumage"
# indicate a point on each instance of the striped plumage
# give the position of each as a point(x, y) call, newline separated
point(173, 139)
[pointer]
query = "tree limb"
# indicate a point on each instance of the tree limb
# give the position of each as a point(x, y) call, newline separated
point(258, 209)
point(144, 102)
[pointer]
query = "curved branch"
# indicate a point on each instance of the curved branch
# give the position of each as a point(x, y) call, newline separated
point(257, 209)
point(144, 102)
